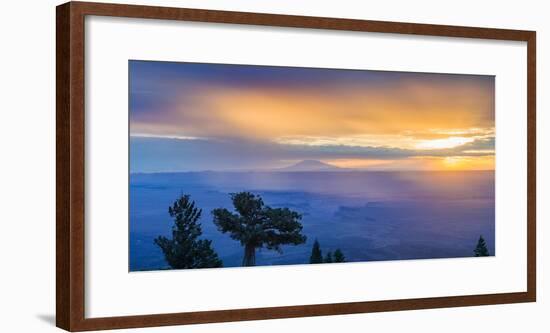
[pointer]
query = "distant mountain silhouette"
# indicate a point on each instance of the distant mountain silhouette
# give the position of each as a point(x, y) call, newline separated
point(311, 165)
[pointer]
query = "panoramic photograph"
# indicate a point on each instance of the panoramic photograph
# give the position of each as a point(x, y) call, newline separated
point(248, 165)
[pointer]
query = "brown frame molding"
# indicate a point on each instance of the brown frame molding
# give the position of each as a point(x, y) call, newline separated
point(70, 192)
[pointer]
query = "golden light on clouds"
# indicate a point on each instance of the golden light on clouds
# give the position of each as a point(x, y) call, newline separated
point(410, 122)
point(428, 163)
point(275, 113)
point(469, 163)
point(374, 140)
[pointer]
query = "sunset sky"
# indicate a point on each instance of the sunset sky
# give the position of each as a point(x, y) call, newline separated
point(192, 117)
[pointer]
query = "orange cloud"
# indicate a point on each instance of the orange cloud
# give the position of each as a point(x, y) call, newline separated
point(408, 110)
point(421, 163)
point(277, 113)
point(443, 114)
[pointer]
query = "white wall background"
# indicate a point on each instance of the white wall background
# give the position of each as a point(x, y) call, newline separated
point(27, 164)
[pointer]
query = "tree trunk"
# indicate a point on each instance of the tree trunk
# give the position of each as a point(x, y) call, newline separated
point(249, 255)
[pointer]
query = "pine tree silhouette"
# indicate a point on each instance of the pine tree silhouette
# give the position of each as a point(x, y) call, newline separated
point(257, 226)
point(339, 256)
point(185, 249)
point(481, 248)
point(316, 254)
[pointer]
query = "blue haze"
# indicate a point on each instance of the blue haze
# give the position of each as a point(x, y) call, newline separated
point(369, 215)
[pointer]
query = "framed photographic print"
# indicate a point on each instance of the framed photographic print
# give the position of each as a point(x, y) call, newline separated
point(222, 166)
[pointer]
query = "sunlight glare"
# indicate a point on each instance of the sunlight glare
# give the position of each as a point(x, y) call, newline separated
point(450, 142)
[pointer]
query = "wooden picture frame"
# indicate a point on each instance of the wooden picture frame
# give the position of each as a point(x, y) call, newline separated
point(70, 138)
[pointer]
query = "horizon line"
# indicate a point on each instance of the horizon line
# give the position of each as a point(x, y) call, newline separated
point(343, 170)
